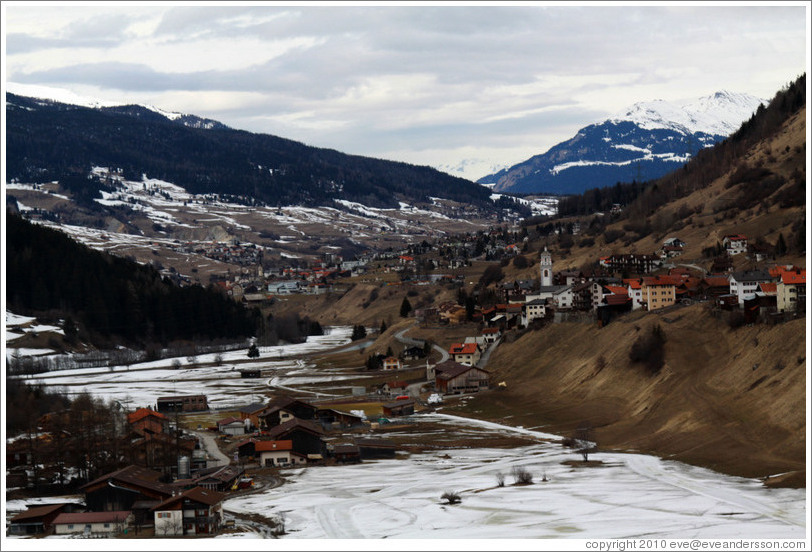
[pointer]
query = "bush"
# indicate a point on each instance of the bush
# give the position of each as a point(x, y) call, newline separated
point(520, 261)
point(500, 479)
point(451, 497)
point(521, 476)
point(649, 349)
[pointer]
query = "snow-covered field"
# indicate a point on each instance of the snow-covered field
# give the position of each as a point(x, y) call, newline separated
point(141, 384)
point(629, 496)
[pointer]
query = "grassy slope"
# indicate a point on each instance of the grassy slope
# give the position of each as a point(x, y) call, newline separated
point(733, 400)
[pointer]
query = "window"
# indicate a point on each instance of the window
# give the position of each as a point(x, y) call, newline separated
point(70, 526)
point(106, 525)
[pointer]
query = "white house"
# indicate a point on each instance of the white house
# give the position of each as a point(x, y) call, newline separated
point(278, 453)
point(92, 523)
point(745, 284)
point(735, 244)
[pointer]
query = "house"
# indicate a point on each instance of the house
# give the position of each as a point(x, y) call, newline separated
point(403, 407)
point(183, 403)
point(332, 418)
point(306, 436)
point(231, 426)
point(278, 453)
point(160, 450)
point(196, 511)
point(284, 287)
point(218, 478)
point(121, 489)
point(461, 378)
point(735, 244)
point(147, 420)
point(251, 412)
point(744, 284)
point(613, 305)
point(791, 291)
point(714, 285)
point(93, 523)
point(36, 519)
point(658, 292)
point(465, 353)
point(346, 453)
point(633, 263)
point(283, 409)
point(673, 242)
point(413, 353)
point(491, 335)
point(370, 448)
point(391, 363)
point(251, 373)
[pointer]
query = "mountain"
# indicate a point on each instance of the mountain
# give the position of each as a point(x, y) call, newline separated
point(646, 141)
point(47, 140)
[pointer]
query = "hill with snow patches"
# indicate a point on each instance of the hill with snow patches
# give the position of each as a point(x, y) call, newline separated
point(644, 142)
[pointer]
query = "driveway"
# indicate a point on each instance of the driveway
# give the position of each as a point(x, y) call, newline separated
point(209, 443)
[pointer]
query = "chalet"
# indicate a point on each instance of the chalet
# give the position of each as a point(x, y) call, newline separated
point(306, 436)
point(613, 305)
point(582, 296)
point(634, 287)
point(404, 407)
point(121, 489)
point(185, 403)
point(160, 450)
point(391, 363)
point(791, 291)
point(93, 523)
point(218, 478)
point(735, 244)
point(147, 420)
point(658, 292)
point(452, 379)
point(413, 353)
point(375, 448)
point(283, 409)
point(673, 242)
point(714, 285)
point(196, 511)
point(336, 419)
point(346, 453)
point(491, 335)
point(231, 426)
point(251, 412)
point(278, 453)
point(465, 353)
point(744, 284)
point(36, 519)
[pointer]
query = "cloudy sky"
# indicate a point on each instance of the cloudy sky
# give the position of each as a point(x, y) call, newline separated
point(431, 85)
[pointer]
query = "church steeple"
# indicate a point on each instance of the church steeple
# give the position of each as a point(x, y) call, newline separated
point(546, 268)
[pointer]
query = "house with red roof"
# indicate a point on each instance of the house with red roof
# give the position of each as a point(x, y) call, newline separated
point(196, 511)
point(634, 288)
point(465, 353)
point(147, 420)
point(278, 453)
point(791, 291)
point(93, 523)
point(735, 244)
point(658, 292)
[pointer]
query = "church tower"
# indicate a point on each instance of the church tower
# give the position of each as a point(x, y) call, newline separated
point(546, 268)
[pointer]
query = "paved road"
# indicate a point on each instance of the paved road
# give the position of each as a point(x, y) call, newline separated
point(486, 356)
point(209, 443)
point(400, 336)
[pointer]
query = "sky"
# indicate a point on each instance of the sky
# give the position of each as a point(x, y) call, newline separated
point(463, 87)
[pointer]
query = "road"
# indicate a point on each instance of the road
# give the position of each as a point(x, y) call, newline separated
point(401, 337)
point(209, 443)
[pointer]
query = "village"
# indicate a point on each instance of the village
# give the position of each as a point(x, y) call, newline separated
point(181, 471)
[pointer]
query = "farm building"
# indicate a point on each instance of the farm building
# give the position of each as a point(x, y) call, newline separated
point(183, 403)
point(460, 379)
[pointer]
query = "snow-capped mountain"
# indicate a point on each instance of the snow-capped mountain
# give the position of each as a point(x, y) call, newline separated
point(62, 96)
point(646, 141)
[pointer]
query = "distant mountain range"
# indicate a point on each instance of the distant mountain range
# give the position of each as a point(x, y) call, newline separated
point(48, 140)
point(647, 141)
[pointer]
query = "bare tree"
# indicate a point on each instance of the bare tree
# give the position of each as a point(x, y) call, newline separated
point(583, 440)
point(521, 475)
point(451, 497)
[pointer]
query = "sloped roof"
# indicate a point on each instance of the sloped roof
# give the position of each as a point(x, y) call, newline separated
point(454, 371)
point(717, 281)
point(229, 420)
point(37, 512)
point(463, 348)
point(136, 476)
point(617, 290)
point(770, 288)
point(291, 425)
point(196, 494)
point(268, 446)
point(142, 413)
point(794, 277)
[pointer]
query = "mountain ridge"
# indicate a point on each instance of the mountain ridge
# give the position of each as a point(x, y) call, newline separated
point(644, 142)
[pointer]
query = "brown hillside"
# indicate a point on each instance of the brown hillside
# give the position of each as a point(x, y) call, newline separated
point(731, 400)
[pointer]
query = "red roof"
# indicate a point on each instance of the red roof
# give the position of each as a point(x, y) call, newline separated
point(633, 283)
point(768, 287)
point(794, 277)
point(717, 281)
point(463, 348)
point(396, 384)
point(488, 331)
point(659, 281)
point(142, 413)
point(736, 237)
point(618, 290)
point(230, 420)
point(269, 446)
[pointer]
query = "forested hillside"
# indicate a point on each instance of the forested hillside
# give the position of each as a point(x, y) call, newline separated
point(108, 297)
point(47, 141)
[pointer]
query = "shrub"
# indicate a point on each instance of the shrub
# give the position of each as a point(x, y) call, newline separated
point(521, 476)
point(649, 349)
point(451, 497)
point(500, 479)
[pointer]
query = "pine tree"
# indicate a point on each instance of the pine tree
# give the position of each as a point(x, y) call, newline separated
point(405, 308)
